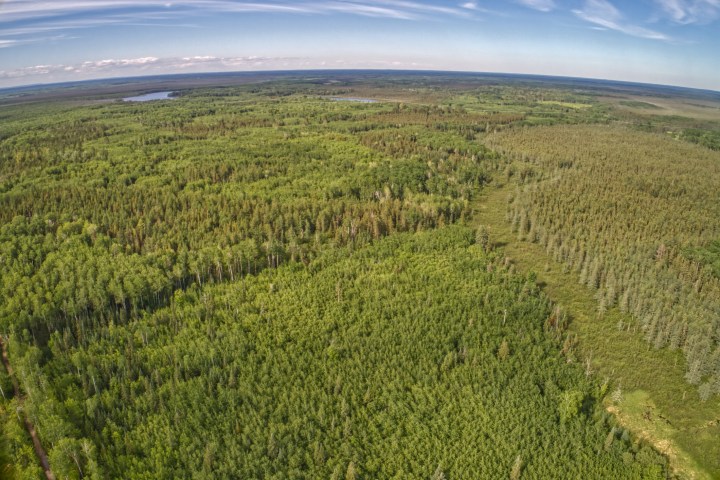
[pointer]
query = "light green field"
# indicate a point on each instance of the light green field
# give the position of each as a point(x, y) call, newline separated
point(566, 104)
point(660, 106)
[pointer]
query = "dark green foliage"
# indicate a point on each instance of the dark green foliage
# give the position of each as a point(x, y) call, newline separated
point(706, 138)
point(5, 460)
point(707, 256)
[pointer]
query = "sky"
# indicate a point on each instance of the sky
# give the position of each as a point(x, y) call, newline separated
point(672, 42)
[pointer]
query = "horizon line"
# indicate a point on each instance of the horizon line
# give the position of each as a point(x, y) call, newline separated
point(349, 70)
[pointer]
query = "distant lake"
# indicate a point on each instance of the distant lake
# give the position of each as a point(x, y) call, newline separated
point(353, 99)
point(150, 96)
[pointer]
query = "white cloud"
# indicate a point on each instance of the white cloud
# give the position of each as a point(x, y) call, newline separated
point(542, 5)
point(126, 62)
point(690, 11)
point(144, 65)
point(604, 14)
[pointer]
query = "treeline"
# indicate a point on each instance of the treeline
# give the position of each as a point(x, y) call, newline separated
point(420, 355)
point(623, 210)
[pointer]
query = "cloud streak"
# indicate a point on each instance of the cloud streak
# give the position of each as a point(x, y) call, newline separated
point(26, 10)
point(39, 17)
point(686, 12)
point(604, 14)
point(541, 5)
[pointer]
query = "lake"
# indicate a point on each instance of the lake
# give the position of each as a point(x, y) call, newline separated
point(150, 96)
point(353, 99)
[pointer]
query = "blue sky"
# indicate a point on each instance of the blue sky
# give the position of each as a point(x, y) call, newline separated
point(674, 42)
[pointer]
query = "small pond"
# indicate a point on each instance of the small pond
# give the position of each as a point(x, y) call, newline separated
point(353, 99)
point(150, 96)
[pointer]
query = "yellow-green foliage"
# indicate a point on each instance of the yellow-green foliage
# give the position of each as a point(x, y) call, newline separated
point(379, 364)
point(565, 104)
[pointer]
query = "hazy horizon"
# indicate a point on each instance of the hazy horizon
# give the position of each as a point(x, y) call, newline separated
point(666, 42)
point(339, 71)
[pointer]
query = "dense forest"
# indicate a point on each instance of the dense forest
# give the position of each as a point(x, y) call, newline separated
point(261, 281)
point(420, 355)
point(635, 224)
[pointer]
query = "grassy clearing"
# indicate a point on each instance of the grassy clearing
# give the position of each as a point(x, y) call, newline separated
point(638, 104)
point(576, 106)
point(650, 106)
point(650, 380)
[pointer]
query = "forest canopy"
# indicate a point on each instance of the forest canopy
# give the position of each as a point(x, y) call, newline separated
point(262, 282)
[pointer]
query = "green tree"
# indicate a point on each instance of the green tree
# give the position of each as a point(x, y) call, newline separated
point(504, 350)
point(570, 403)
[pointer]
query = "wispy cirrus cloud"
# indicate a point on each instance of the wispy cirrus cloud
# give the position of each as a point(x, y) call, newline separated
point(24, 10)
point(542, 5)
point(604, 15)
point(15, 42)
point(34, 31)
point(39, 17)
point(686, 12)
point(420, 7)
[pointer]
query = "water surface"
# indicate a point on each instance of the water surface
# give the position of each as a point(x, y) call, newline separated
point(150, 96)
point(354, 99)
